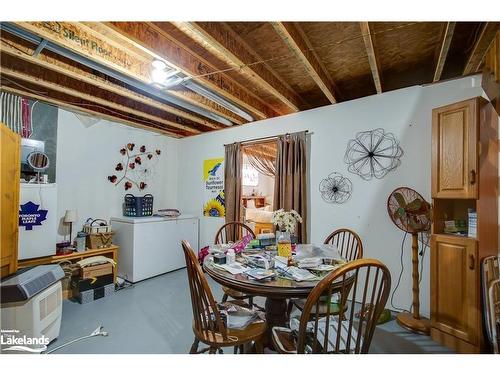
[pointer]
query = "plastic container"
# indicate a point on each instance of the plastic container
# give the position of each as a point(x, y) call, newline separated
point(230, 256)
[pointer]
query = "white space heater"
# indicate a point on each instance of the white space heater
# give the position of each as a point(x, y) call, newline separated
point(40, 314)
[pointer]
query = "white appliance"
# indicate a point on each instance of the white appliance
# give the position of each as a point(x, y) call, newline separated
point(38, 240)
point(151, 246)
point(38, 316)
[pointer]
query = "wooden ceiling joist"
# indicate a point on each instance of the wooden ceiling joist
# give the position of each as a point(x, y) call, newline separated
point(118, 56)
point(58, 66)
point(152, 38)
point(88, 111)
point(298, 43)
point(221, 41)
point(443, 51)
point(94, 99)
point(372, 56)
point(480, 48)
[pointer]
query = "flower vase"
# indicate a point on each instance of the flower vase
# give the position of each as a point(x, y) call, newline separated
point(284, 244)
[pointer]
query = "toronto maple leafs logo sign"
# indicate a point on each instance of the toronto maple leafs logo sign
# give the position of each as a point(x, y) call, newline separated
point(30, 215)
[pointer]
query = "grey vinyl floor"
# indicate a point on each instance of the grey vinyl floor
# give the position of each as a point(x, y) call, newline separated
point(154, 316)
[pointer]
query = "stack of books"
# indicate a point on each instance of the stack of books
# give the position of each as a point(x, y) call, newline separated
point(472, 223)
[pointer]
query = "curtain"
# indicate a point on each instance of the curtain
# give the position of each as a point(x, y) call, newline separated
point(15, 112)
point(232, 186)
point(264, 165)
point(290, 186)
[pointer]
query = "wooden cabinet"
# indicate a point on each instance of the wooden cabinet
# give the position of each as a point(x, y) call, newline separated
point(454, 150)
point(464, 178)
point(455, 290)
point(10, 144)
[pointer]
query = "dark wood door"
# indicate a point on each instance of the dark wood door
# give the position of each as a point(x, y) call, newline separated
point(454, 150)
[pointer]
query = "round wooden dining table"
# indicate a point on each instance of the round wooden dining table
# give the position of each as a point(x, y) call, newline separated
point(276, 291)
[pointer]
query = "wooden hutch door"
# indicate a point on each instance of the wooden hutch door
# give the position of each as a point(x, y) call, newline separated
point(454, 155)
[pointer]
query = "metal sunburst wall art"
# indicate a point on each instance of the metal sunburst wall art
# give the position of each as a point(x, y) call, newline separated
point(335, 188)
point(373, 153)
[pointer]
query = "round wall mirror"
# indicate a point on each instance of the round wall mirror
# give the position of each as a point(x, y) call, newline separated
point(37, 160)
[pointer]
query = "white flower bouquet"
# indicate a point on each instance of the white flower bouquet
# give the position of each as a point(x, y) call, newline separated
point(286, 220)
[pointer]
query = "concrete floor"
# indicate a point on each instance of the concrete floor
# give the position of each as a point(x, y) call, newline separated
point(154, 316)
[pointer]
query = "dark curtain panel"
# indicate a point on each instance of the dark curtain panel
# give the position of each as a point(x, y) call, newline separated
point(232, 186)
point(290, 186)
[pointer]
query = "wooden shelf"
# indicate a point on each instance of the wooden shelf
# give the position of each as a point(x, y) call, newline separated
point(110, 252)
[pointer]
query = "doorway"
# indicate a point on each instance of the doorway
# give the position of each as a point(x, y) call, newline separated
point(258, 180)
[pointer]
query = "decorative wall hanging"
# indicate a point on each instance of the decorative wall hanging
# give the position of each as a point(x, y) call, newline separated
point(373, 153)
point(136, 169)
point(335, 188)
point(213, 179)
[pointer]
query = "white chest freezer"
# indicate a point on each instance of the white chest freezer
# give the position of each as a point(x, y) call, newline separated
point(151, 246)
point(37, 220)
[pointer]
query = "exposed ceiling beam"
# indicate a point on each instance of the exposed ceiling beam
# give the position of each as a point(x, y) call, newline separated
point(443, 51)
point(19, 51)
point(481, 45)
point(75, 108)
point(220, 41)
point(372, 56)
point(153, 39)
point(297, 42)
point(94, 99)
point(72, 40)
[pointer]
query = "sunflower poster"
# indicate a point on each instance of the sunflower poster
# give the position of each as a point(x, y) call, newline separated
point(213, 179)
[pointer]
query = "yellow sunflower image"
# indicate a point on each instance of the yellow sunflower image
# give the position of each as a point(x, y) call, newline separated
point(214, 208)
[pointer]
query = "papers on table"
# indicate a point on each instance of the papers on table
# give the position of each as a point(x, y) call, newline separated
point(310, 262)
point(295, 273)
point(260, 274)
point(233, 268)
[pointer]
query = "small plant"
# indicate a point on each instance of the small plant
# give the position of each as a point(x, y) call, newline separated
point(286, 220)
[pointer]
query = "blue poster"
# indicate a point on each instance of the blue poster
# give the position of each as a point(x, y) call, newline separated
point(30, 215)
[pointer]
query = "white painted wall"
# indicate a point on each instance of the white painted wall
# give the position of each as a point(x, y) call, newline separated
point(406, 113)
point(87, 155)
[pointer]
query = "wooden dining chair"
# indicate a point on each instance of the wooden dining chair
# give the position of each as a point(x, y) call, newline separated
point(208, 326)
point(348, 243)
point(364, 288)
point(237, 230)
point(350, 248)
point(234, 230)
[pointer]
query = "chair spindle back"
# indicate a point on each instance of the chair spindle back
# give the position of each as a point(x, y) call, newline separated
point(364, 288)
point(348, 243)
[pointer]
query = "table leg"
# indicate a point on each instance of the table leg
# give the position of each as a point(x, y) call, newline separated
point(276, 315)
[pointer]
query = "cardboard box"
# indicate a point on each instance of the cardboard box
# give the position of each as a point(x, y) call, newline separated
point(96, 271)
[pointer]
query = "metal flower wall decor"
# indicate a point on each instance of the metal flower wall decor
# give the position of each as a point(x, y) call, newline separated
point(136, 167)
point(373, 153)
point(335, 188)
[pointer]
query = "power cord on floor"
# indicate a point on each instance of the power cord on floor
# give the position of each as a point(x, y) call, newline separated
point(97, 332)
point(399, 278)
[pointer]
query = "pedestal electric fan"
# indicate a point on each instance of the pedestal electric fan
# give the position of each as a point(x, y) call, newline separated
point(411, 213)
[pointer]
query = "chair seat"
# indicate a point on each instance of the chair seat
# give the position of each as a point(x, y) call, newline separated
point(235, 294)
point(235, 337)
point(322, 308)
